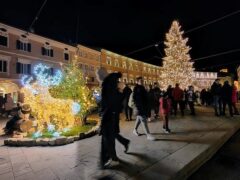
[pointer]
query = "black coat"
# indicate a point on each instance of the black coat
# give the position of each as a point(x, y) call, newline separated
point(157, 94)
point(226, 93)
point(151, 99)
point(126, 93)
point(216, 89)
point(140, 99)
point(111, 107)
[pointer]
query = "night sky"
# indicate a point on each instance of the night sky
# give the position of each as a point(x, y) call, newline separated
point(123, 26)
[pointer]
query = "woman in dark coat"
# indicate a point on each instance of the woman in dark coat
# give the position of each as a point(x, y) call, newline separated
point(111, 106)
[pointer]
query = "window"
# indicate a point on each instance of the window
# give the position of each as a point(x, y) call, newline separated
point(47, 50)
point(116, 63)
point(92, 79)
point(3, 37)
point(23, 68)
point(51, 71)
point(3, 66)
point(108, 60)
point(124, 65)
point(137, 69)
point(130, 66)
point(66, 54)
point(91, 68)
point(23, 44)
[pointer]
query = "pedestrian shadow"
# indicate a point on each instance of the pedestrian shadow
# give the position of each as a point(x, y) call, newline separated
point(129, 169)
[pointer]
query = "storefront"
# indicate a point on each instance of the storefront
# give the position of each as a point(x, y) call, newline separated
point(9, 87)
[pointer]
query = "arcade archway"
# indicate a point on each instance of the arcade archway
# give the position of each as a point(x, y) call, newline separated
point(9, 87)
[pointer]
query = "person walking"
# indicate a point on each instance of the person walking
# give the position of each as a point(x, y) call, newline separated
point(216, 92)
point(157, 94)
point(8, 105)
point(226, 94)
point(128, 110)
point(178, 99)
point(111, 105)
point(151, 104)
point(140, 98)
point(235, 100)
point(170, 96)
point(165, 109)
point(191, 97)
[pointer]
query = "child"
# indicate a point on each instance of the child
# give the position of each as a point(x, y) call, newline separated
point(165, 109)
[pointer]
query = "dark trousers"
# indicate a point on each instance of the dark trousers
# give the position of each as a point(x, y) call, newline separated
point(1, 110)
point(217, 104)
point(181, 106)
point(229, 103)
point(191, 106)
point(108, 150)
point(165, 122)
point(128, 112)
point(156, 108)
point(235, 109)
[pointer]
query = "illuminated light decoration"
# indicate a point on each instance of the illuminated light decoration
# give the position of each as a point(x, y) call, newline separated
point(43, 76)
point(97, 96)
point(177, 67)
point(66, 129)
point(76, 107)
point(37, 134)
point(73, 87)
point(51, 127)
point(56, 134)
point(44, 107)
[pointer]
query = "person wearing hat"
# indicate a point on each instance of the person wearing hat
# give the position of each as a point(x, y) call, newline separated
point(111, 106)
point(22, 115)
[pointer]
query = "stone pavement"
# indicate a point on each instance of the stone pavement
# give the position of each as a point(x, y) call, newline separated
point(173, 156)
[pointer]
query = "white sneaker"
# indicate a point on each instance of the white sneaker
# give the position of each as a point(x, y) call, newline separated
point(135, 132)
point(167, 131)
point(111, 163)
point(150, 137)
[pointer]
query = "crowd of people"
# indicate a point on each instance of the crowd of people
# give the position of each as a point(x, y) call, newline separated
point(150, 103)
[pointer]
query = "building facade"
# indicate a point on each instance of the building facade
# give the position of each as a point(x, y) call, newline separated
point(21, 50)
point(130, 68)
point(204, 80)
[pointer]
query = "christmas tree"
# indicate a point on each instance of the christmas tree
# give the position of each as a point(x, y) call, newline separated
point(73, 87)
point(177, 67)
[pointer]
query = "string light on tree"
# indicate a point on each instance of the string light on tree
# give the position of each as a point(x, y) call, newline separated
point(177, 67)
point(46, 109)
point(73, 87)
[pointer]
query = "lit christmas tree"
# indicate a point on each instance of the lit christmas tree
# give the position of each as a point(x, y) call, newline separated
point(73, 87)
point(177, 67)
